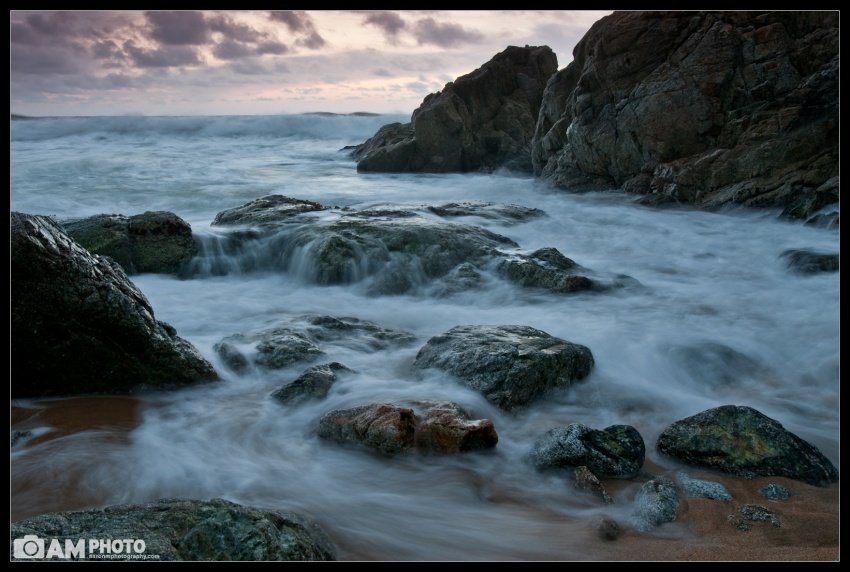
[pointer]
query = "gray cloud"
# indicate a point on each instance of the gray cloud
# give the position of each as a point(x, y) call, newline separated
point(302, 24)
point(381, 72)
point(164, 57)
point(234, 30)
point(389, 22)
point(232, 50)
point(271, 47)
point(429, 31)
point(178, 28)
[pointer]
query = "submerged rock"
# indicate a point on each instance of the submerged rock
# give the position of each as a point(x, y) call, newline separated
point(482, 121)
point(546, 268)
point(716, 365)
point(380, 426)
point(182, 529)
point(81, 326)
point(586, 481)
point(510, 365)
point(159, 241)
point(266, 210)
point(774, 491)
point(698, 488)
point(655, 504)
point(614, 452)
point(487, 210)
point(314, 383)
point(808, 262)
point(744, 442)
point(429, 427)
point(707, 108)
point(607, 529)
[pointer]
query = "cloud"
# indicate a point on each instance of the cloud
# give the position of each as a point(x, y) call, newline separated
point(272, 47)
point(381, 72)
point(429, 31)
point(234, 30)
point(389, 22)
point(301, 24)
point(232, 50)
point(178, 28)
point(164, 57)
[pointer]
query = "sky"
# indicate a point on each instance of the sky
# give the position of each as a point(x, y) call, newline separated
point(261, 62)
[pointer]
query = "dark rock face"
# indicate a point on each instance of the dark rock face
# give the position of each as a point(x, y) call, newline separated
point(380, 426)
point(158, 241)
point(300, 339)
point(482, 121)
point(487, 210)
point(617, 451)
point(265, 210)
point(180, 529)
point(314, 383)
point(744, 442)
point(509, 365)
point(546, 268)
point(80, 326)
point(808, 262)
point(707, 108)
point(655, 504)
point(429, 427)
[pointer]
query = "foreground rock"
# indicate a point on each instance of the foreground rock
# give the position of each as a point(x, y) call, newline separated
point(159, 242)
point(266, 210)
point(808, 262)
point(482, 121)
point(753, 513)
point(744, 442)
point(698, 488)
point(614, 452)
point(546, 268)
point(314, 383)
point(775, 491)
point(655, 504)
point(492, 211)
point(704, 108)
point(179, 529)
point(436, 427)
point(510, 365)
point(586, 481)
point(81, 326)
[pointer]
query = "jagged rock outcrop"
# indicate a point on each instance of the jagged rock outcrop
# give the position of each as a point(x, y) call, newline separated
point(80, 326)
point(482, 121)
point(704, 108)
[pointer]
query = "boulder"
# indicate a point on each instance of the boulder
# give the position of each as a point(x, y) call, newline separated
point(808, 262)
point(386, 428)
point(698, 488)
point(745, 442)
point(80, 326)
point(270, 209)
point(510, 365)
point(482, 121)
point(314, 383)
point(505, 213)
point(614, 452)
point(546, 268)
point(706, 108)
point(444, 427)
point(655, 504)
point(159, 242)
point(183, 529)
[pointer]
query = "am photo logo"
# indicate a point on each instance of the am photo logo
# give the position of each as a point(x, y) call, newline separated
point(33, 547)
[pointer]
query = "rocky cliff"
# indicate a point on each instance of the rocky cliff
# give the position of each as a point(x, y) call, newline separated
point(704, 108)
point(482, 121)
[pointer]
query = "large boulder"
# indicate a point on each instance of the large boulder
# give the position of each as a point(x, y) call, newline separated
point(270, 209)
point(78, 325)
point(183, 529)
point(509, 365)
point(614, 452)
point(154, 241)
point(706, 108)
point(656, 503)
point(446, 427)
point(745, 442)
point(482, 121)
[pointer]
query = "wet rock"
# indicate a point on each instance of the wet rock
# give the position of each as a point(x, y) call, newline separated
point(655, 504)
point(510, 365)
point(81, 326)
point(614, 452)
point(181, 529)
point(545, 268)
point(230, 354)
point(482, 121)
point(266, 210)
point(808, 262)
point(444, 427)
point(607, 529)
point(154, 241)
point(17, 436)
point(774, 491)
point(487, 210)
point(586, 481)
point(314, 383)
point(275, 348)
point(463, 277)
point(753, 513)
point(380, 426)
point(698, 488)
point(744, 442)
point(824, 220)
point(716, 365)
point(355, 333)
point(707, 108)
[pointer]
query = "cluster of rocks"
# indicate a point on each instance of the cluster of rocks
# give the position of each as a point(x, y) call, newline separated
point(700, 108)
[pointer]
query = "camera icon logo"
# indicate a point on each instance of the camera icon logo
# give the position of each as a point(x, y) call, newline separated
point(30, 547)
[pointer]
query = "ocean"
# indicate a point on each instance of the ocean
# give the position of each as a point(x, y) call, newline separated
point(719, 319)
